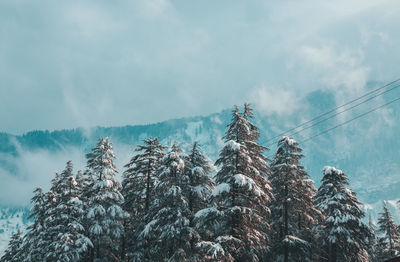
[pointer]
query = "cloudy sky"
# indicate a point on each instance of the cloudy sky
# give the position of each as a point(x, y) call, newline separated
point(65, 64)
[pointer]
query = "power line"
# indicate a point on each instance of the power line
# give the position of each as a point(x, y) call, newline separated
point(340, 112)
point(332, 110)
point(351, 120)
point(346, 122)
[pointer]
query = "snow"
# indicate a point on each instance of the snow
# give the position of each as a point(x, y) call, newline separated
point(97, 210)
point(328, 170)
point(149, 227)
point(234, 146)
point(198, 170)
point(290, 141)
point(204, 212)
point(215, 250)
point(10, 221)
point(200, 190)
point(242, 180)
point(221, 188)
point(174, 191)
point(104, 183)
point(75, 201)
point(292, 240)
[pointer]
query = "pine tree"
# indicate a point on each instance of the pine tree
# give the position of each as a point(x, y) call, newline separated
point(31, 250)
point(293, 213)
point(169, 227)
point(390, 241)
point(84, 180)
point(105, 214)
point(198, 191)
point(38, 237)
point(45, 233)
point(372, 241)
point(11, 254)
point(198, 170)
point(49, 233)
point(138, 186)
point(69, 243)
point(237, 222)
point(344, 233)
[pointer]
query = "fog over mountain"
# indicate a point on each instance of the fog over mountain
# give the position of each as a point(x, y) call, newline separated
point(367, 149)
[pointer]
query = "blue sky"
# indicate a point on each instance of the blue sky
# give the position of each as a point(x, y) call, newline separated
point(65, 64)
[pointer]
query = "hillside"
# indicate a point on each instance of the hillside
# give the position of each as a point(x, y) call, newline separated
point(368, 150)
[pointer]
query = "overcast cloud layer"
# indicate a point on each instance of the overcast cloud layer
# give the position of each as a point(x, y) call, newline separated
point(65, 64)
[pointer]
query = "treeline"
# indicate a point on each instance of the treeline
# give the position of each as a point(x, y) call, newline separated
point(175, 206)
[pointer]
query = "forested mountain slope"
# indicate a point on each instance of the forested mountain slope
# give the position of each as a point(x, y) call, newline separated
point(368, 149)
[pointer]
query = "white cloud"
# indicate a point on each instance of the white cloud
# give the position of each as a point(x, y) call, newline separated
point(341, 70)
point(270, 100)
point(185, 57)
point(34, 169)
point(155, 8)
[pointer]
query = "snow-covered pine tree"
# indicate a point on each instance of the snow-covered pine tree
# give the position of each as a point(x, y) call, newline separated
point(12, 254)
point(198, 168)
point(84, 181)
point(31, 250)
point(105, 214)
point(69, 243)
point(390, 240)
point(372, 241)
point(48, 234)
point(344, 234)
point(138, 184)
point(237, 222)
point(293, 211)
point(169, 229)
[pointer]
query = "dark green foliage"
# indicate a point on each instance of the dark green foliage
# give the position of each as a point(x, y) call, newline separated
point(237, 222)
point(104, 212)
point(12, 253)
point(343, 234)
point(293, 211)
point(138, 184)
point(389, 242)
point(169, 230)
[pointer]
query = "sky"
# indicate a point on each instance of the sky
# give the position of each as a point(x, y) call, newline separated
point(67, 64)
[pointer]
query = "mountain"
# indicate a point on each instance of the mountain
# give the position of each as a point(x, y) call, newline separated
point(367, 150)
point(11, 219)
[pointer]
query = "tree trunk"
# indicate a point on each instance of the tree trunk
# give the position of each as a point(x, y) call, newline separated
point(147, 205)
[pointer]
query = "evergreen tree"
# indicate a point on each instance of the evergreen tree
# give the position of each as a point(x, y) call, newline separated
point(390, 241)
point(44, 233)
point(372, 241)
point(138, 186)
point(105, 214)
point(69, 243)
point(198, 169)
point(198, 191)
point(237, 222)
point(169, 227)
point(84, 180)
point(293, 213)
point(344, 233)
point(31, 249)
point(12, 254)
point(49, 233)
